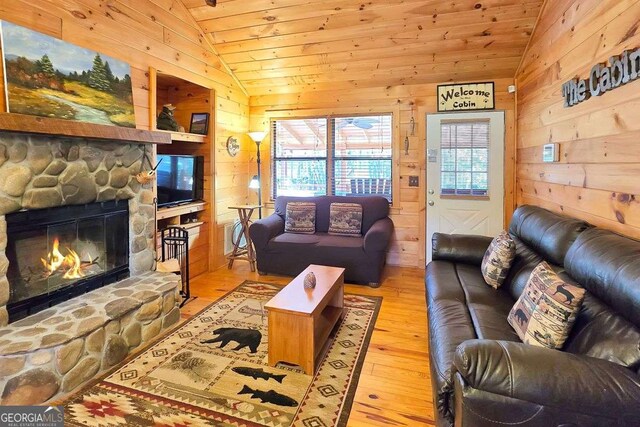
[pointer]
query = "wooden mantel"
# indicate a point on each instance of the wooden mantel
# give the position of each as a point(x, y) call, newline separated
point(11, 122)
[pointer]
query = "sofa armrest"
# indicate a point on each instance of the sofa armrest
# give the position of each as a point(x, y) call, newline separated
point(464, 248)
point(549, 377)
point(266, 229)
point(378, 237)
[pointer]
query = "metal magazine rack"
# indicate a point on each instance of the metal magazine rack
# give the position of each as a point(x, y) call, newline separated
point(175, 245)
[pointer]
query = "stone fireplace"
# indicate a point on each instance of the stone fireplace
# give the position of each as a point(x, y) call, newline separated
point(58, 253)
point(73, 218)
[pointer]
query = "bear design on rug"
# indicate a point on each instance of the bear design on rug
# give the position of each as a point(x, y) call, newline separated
point(244, 337)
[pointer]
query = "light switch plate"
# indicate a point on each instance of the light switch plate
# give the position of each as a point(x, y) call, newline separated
point(551, 153)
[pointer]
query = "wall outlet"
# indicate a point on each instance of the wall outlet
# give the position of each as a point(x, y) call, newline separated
point(414, 181)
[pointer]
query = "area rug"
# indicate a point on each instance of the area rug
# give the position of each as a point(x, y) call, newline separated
point(213, 371)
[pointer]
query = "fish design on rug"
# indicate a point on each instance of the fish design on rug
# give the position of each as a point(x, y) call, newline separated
point(256, 373)
point(270, 396)
point(244, 337)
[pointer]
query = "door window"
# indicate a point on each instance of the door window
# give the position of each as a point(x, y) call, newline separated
point(464, 167)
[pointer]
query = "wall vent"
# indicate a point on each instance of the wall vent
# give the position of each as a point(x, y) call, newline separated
point(231, 231)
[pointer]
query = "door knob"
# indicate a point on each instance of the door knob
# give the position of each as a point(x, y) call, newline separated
point(431, 203)
point(431, 191)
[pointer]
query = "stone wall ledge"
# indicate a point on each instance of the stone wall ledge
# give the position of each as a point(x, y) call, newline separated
point(57, 350)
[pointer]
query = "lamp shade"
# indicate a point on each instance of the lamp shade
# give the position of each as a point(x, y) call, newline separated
point(255, 183)
point(257, 136)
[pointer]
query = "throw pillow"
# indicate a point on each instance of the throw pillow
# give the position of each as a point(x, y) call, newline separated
point(345, 219)
point(300, 218)
point(546, 310)
point(497, 260)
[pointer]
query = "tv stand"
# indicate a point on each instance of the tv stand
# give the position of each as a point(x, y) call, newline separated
point(176, 211)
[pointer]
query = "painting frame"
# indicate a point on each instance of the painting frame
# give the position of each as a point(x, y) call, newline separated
point(199, 124)
point(46, 76)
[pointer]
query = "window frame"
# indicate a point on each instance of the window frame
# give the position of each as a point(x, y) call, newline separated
point(330, 150)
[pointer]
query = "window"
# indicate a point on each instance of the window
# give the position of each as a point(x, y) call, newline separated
point(465, 158)
point(344, 156)
point(299, 157)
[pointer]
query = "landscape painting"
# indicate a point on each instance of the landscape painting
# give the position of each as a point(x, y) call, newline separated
point(49, 77)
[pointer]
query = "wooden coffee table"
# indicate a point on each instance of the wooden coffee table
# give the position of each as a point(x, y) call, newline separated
point(300, 320)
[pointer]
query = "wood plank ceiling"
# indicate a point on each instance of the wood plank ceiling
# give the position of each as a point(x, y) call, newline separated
point(285, 46)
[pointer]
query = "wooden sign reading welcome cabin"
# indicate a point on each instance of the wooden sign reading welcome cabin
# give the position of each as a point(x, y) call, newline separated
point(465, 97)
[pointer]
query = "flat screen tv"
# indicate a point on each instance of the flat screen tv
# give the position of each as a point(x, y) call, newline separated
point(180, 179)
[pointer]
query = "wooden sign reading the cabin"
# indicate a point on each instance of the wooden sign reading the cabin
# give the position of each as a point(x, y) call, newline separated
point(621, 70)
point(471, 96)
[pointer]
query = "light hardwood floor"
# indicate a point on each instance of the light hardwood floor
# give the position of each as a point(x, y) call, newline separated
point(394, 387)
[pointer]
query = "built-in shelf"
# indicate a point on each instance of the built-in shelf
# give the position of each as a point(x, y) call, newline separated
point(187, 208)
point(199, 219)
point(12, 122)
point(185, 137)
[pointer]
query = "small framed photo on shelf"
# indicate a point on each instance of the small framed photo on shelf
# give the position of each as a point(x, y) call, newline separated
point(199, 123)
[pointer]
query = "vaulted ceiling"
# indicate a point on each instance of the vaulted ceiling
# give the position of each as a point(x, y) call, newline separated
point(278, 46)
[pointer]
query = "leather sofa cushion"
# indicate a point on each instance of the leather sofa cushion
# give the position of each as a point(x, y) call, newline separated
point(491, 324)
point(449, 326)
point(460, 307)
point(459, 248)
point(523, 264)
point(601, 333)
point(487, 307)
point(477, 291)
point(549, 234)
point(373, 208)
point(608, 265)
point(441, 279)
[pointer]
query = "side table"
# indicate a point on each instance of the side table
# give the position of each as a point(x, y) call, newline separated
point(244, 253)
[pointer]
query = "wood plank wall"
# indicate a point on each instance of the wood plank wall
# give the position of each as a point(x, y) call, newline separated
point(408, 213)
point(160, 34)
point(599, 169)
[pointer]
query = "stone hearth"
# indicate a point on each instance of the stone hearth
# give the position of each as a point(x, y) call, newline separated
point(51, 353)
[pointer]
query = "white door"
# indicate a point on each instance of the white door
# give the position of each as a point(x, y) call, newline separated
point(465, 174)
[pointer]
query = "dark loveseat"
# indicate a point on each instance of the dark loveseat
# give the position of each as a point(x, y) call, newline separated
point(482, 375)
point(287, 253)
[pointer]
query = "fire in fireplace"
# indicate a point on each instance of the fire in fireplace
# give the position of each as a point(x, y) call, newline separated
point(71, 265)
point(58, 253)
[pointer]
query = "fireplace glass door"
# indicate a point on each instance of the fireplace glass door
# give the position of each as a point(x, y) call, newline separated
point(54, 251)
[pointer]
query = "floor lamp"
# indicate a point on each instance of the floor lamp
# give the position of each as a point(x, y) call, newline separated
point(256, 183)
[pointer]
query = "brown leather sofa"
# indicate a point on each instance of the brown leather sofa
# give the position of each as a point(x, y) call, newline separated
point(363, 257)
point(483, 375)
